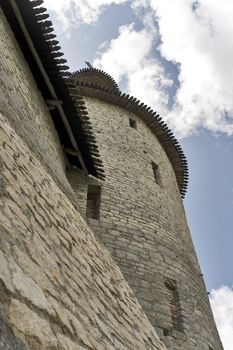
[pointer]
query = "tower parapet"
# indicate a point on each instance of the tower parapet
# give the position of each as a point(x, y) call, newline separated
point(96, 77)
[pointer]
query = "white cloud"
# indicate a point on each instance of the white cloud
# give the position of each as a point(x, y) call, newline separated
point(200, 41)
point(74, 12)
point(222, 305)
point(129, 57)
point(61, 7)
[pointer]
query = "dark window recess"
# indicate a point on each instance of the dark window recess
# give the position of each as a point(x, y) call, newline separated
point(156, 172)
point(173, 302)
point(93, 201)
point(132, 123)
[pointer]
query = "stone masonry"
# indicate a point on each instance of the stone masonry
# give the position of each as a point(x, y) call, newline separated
point(143, 225)
point(59, 288)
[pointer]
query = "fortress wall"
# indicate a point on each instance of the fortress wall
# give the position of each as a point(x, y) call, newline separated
point(22, 103)
point(144, 227)
point(59, 289)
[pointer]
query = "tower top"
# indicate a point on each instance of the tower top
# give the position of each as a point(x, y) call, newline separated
point(96, 83)
point(96, 77)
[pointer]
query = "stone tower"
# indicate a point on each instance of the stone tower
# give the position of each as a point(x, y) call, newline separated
point(137, 212)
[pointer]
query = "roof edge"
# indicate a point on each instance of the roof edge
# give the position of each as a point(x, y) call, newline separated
point(151, 118)
point(99, 72)
point(35, 35)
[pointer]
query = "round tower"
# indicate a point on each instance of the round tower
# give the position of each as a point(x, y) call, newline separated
point(138, 214)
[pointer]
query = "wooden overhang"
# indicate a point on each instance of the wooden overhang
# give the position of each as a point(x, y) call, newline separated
point(151, 118)
point(34, 33)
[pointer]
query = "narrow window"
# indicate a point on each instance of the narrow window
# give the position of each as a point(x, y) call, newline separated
point(156, 172)
point(132, 123)
point(172, 298)
point(93, 201)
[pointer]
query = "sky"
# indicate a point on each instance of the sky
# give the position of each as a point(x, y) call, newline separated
point(176, 56)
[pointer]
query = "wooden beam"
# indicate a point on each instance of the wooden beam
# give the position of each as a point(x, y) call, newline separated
point(53, 102)
point(47, 81)
point(71, 152)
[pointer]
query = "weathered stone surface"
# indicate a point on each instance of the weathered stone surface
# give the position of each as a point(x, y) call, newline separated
point(29, 289)
point(31, 325)
point(23, 104)
point(143, 225)
point(62, 288)
point(65, 284)
point(5, 274)
point(67, 344)
point(8, 341)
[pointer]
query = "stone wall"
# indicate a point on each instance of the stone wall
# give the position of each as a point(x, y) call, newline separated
point(59, 289)
point(24, 106)
point(143, 225)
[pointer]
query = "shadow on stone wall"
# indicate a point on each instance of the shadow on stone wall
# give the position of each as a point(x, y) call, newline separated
point(8, 340)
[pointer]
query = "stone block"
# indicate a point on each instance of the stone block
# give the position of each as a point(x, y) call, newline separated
point(30, 325)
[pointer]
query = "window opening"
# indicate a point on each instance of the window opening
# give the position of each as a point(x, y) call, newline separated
point(93, 201)
point(132, 123)
point(156, 172)
point(172, 298)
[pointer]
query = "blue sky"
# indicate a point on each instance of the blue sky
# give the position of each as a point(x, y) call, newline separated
point(177, 57)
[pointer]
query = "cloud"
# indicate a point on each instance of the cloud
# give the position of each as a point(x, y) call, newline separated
point(193, 38)
point(222, 305)
point(128, 57)
point(71, 13)
point(196, 36)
